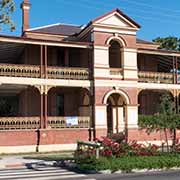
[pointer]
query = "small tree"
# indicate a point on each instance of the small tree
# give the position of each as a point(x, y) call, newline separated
point(168, 43)
point(166, 113)
point(166, 119)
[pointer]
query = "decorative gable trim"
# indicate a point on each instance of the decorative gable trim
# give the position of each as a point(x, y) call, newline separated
point(118, 14)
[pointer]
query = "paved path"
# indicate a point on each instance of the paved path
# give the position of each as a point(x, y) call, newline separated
point(38, 172)
point(16, 161)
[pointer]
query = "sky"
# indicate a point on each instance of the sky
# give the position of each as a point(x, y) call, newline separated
point(158, 18)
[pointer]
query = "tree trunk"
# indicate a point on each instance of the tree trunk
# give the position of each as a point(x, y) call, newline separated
point(174, 138)
point(166, 137)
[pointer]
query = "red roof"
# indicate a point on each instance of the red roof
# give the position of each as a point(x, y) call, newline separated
point(69, 30)
point(58, 29)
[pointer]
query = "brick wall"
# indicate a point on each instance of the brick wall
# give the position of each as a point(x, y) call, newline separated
point(100, 92)
point(100, 38)
point(30, 137)
point(142, 135)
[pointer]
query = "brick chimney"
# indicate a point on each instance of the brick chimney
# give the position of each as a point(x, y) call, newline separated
point(25, 6)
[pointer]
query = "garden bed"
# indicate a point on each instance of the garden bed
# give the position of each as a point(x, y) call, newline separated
point(130, 163)
point(115, 154)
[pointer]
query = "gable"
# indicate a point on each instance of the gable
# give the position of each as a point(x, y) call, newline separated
point(117, 19)
point(114, 21)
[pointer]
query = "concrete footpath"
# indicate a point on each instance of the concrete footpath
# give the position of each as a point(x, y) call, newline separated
point(9, 162)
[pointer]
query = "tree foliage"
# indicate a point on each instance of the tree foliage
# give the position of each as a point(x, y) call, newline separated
point(7, 7)
point(168, 43)
point(166, 119)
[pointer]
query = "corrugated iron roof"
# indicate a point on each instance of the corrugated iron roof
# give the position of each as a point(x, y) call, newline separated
point(145, 42)
point(58, 29)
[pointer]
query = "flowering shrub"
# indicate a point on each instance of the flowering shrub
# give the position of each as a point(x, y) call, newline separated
point(118, 137)
point(111, 148)
point(107, 147)
point(143, 150)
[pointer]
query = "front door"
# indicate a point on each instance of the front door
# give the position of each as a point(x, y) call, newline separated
point(109, 119)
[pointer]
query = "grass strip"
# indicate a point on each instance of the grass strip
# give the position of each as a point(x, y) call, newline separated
point(129, 163)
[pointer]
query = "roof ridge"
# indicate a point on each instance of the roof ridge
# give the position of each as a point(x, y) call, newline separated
point(45, 26)
point(69, 24)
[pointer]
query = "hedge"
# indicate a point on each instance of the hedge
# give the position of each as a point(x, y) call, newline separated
point(129, 163)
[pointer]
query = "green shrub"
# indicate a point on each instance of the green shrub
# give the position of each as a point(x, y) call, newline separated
point(128, 163)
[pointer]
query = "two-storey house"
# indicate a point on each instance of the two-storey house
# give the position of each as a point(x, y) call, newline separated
point(62, 83)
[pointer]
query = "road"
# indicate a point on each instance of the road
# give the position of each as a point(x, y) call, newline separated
point(41, 173)
point(56, 173)
point(170, 175)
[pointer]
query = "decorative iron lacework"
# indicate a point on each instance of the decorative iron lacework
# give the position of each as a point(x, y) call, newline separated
point(15, 123)
point(20, 70)
point(68, 73)
point(61, 122)
point(155, 77)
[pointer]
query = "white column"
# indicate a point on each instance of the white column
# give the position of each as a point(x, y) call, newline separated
point(101, 56)
point(114, 119)
point(129, 63)
point(101, 61)
point(121, 124)
point(101, 117)
point(132, 116)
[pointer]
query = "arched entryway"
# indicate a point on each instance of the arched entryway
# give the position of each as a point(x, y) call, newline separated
point(116, 111)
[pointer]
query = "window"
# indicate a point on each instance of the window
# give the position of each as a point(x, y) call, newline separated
point(60, 105)
point(9, 106)
point(114, 55)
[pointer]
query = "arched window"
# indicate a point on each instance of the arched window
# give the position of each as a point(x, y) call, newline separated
point(114, 54)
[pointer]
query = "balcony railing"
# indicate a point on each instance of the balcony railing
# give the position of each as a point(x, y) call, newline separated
point(116, 72)
point(68, 122)
point(25, 123)
point(33, 71)
point(155, 77)
point(17, 123)
point(13, 70)
point(68, 73)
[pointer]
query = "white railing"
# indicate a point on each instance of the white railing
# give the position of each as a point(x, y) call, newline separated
point(33, 71)
point(155, 77)
point(17, 70)
point(68, 73)
point(116, 72)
